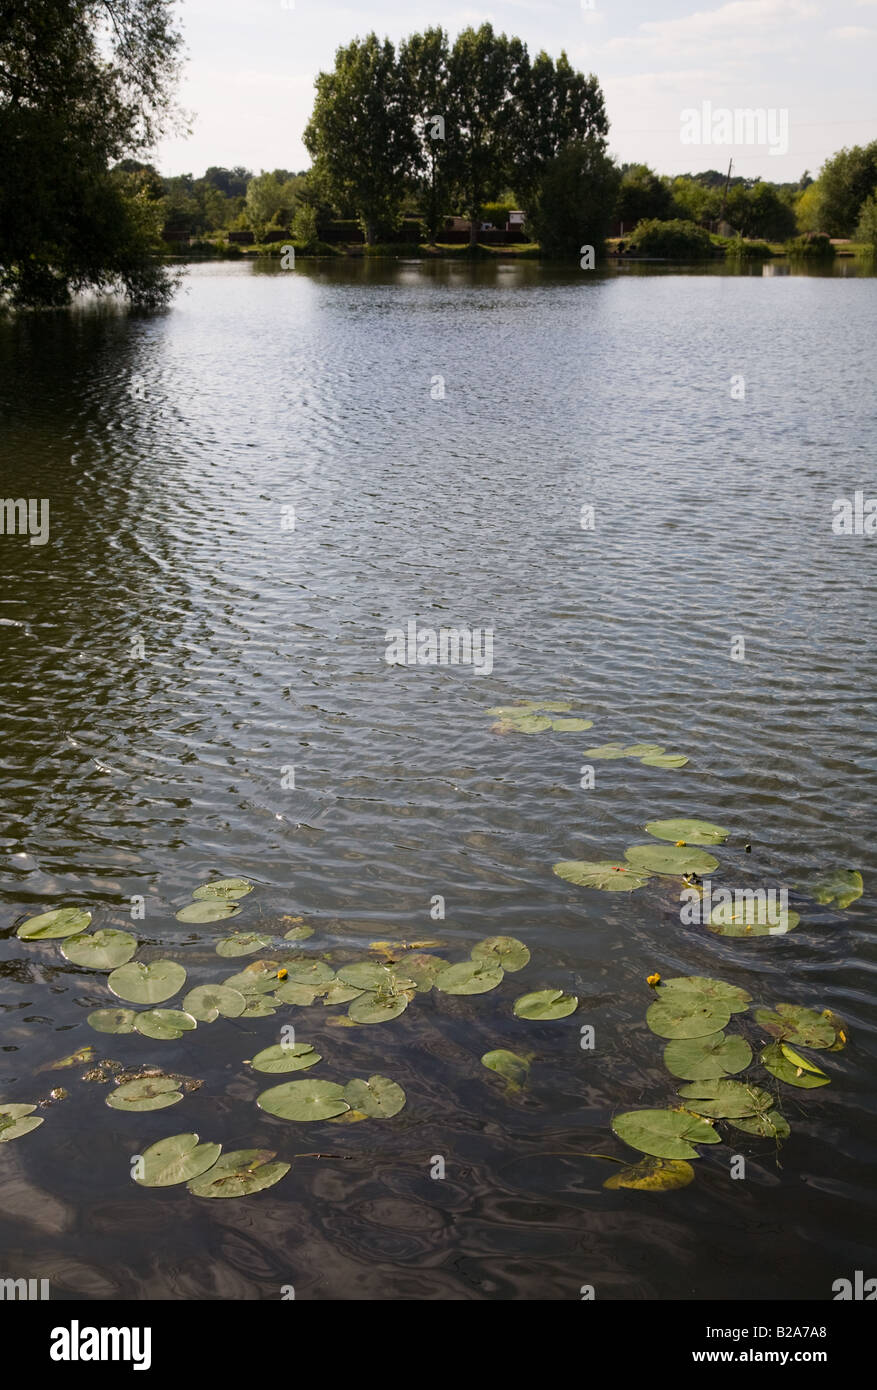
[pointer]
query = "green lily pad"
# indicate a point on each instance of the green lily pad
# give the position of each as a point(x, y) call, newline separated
point(773, 1059)
point(227, 890)
point(643, 750)
point(723, 1100)
point(501, 710)
point(545, 1004)
point(145, 1093)
point(793, 1024)
point(752, 918)
point(102, 950)
point(370, 975)
point(378, 1097)
point(693, 832)
point(16, 1120)
point(300, 933)
point(664, 1133)
point(504, 951)
point(798, 1061)
point(176, 1159)
point(608, 876)
point(292, 992)
point(208, 910)
point(147, 984)
point(664, 760)
point(258, 1006)
point(687, 1017)
point(258, 978)
point(112, 1020)
point(549, 706)
point(311, 972)
point(767, 1125)
point(508, 1065)
point(239, 1174)
point(243, 944)
point(207, 1002)
point(653, 1175)
point(714, 1054)
point(52, 926)
point(571, 726)
point(606, 750)
point(422, 968)
point(703, 990)
point(469, 977)
point(671, 859)
point(280, 1058)
point(527, 724)
point(376, 1008)
point(340, 993)
point(164, 1023)
point(304, 1100)
point(840, 886)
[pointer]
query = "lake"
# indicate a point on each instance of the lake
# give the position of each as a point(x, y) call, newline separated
point(195, 687)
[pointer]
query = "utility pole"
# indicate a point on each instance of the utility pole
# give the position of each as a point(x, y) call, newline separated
point(725, 194)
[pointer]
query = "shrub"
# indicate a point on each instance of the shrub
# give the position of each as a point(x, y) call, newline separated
point(674, 240)
point(814, 245)
point(738, 249)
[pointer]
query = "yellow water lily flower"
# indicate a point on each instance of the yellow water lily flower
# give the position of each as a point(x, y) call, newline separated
point(681, 843)
point(653, 980)
point(282, 974)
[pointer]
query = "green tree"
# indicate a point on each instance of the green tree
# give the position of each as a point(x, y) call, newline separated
point(83, 85)
point(641, 195)
point(556, 107)
point(759, 211)
point(271, 199)
point(845, 181)
point(362, 132)
point(423, 63)
point(574, 202)
point(695, 202)
point(866, 230)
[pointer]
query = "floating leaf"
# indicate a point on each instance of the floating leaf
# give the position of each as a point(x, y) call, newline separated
point(843, 886)
point(664, 760)
point(300, 933)
point(259, 1006)
point(779, 1066)
point(703, 990)
point(286, 1057)
point(370, 975)
point(643, 750)
point(51, 926)
point(291, 992)
point(207, 1002)
point(75, 1059)
point(794, 1024)
point(769, 1125)
point(243, 944)
point(798, 1061)
point(840, 1028)
point(146, 1093)
point(687, 1017)
point(164, 1023)
point(102, 950)
point(528, 724)
point(726, 1099)
point(605, 750)
point(112, 1020)
point(147, 984)
point(751, 917)
point(239, 1174)
point(376, 1008)
point(176, 1159)
point(469, 977)
point(228, 890)
point(258, 978)
point(671, 859)
point(664, 1133)
point(339, 993)
point(653, 1175)
point(714, 1054)
point(504, 951)
point(311, 972)
point(378, 1097)
point(545, 1004)
point(609, 877)
point(304, 1100)
point(209, 910)
point(549, 706)
point(509, 1065)
point(16, 1120)
point(693, 832)
point(571, 726)
point(422, 969)
point(501, 710)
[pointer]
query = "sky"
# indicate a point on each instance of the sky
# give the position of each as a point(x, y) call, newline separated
point(248, 80)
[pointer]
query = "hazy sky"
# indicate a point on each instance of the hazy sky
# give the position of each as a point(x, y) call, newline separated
point(251, 67)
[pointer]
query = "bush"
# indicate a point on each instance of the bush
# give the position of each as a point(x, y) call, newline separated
point(814, 245)
point(573, 203)
point(738, 249)
point(304, 226)
point(674, 240)
point(866, 231)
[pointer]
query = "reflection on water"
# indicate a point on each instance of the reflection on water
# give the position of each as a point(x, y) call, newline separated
point(174, 648)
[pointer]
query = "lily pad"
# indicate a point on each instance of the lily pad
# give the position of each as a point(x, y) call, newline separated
point(798, 1061)
point(304, 1100)
point(696, 1059)
point(176, 1159)
point(300, 933)
point(664, 760)
point(208, 910)
point(571, 726)
point(258, 1006)
point(227, 890)
point(643, 750)
point(723, 1100)
point(297, 1057)
point(528, 724)
point(16, 1120)
point(422, 969)
point(752, 918)
point(239, 1174)
point(469, 977)
point(164, 1023)
point(258, 978)
point(840, 886)
point(653, 1175)
point(339, 993)
point(791, 1023)
point(378, 1097)
point(145, 1093)
point(101, 950)
point(147, 984)
point(112, 1020)
point(376, 1008)
point(767, 1125)
point(508, 1065)
point(606, 750)
point(609, 877)
point(292, 992)
point(687, 1017)
point(545, 1004)
point(664, 1133)
point(370, 975)
point(207, 1002)
point(773, 1059)
point(504, 951)
point(311, 972)
point(671, 859)
point(243, 944)
point(693, 832)
point(702, 989)
point(52, 926)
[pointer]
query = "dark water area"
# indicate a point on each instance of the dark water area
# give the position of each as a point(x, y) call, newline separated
point(169, 447)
